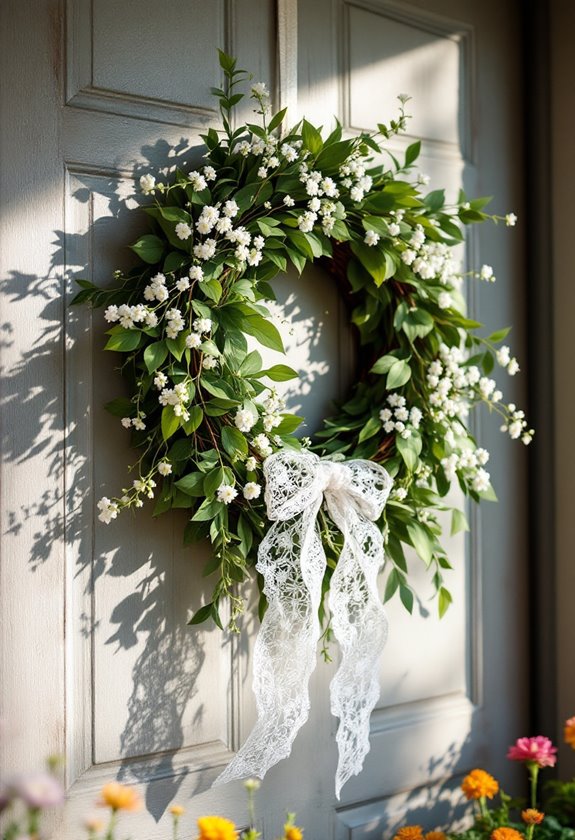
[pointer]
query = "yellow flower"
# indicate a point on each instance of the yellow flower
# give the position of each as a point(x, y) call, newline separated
point(479, 784)
point(570, 732)
point(177, 810)
point(292, 832)
point(435, 835)
point(409, 832)
point(531, 816)
point(120, 797)
point(506, 834)
point(216, 828)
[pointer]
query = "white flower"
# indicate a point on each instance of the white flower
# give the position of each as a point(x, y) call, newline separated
point(385, 415)
point(193, 340)
point(444, 300)
point(486, 273)
point(226, 493)
point(482, 456)
point(259, 242)
point(400, 494)
point(205, 250)
point(251, 463)
point(126, 422)
point(111, 313)
point(480, 481)
point(108, 510)
point(197, 181)
point(288, 201)
point(209, 173)
point(503, 356)
point(423, 179)
point(183, 284)
point(268, 205)
point(262, 444)
point(262, 172)
point(138, 423)
point(260, 90)
point(160, 380)
point(306, 221)
point(408, 256)
point(513, 367)
point(394, 229)
point(371, 238)
point(251, 490)
point(244, 419)
point(164, 468)
point(202, 325)
point(224, 224)
point(147, 184)
point(231, 208)
point(510, 219)
point(196, 273)
point(210, 362)
point(183, 230)
point(415, 417)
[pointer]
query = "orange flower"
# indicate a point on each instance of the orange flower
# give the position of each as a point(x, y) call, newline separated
point(292, 832)
point(570, 732)
point(479, 784)
point(531, 816)
point(506, 834)
point(435, 835)
point(409, 832)
point(120, 797)
point(177, 810)
point(216, 828)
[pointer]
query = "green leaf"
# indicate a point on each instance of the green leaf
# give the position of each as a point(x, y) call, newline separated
point(420, 540)
point(207, 510)
point(311, 137)
point(213, 480)
point(212, 289)
point(445, 600)
point(435, 200)
point(149, 248)
point(384, 364)
point(399, 373)
point(406, 596)
point(196, 416)
point(120, 407)
point(192, 484)
point(170, 422)
point(264, 331)
point(234, 442)
point(279, 373)
point(289, 424)
point(499, 335)
point(411, 155)
point(371, 428)
point(277, 119)
point(201, 615)
point(409, 449)
point(458, 521)
point(124, 341)
point(391, 585)
point(175, 260)
point(251, 364)
point(373, 260)
point(154, 355)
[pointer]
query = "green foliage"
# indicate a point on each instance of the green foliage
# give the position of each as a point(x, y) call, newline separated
point(201, 408)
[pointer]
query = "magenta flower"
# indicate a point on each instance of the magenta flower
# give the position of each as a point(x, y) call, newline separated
point(538, 750)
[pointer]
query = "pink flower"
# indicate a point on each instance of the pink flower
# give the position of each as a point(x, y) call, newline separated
point(538, 750)
point(39, 790)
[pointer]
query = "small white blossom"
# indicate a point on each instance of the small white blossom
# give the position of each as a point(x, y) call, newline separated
point(182, 284)
point(209, 173)
point(394, 229)
point(202, 325)
point(111, 314)
point(183, 230)
point(160, 380)
point(164, 468)
point(193, 340)
point(244, 419)
point(400, 493)
point(126, 422)
point(486, 273)
point(444, 301)
point(288, 201)
point(510, 219)
point(251, 463)
point(196, 273)
point(480, 481)
point(226, 493)
point(251, 490)
point(197, 181)
point(408, 256)
point(262, 444)
point(513, 367)
point(371, 238)
point(503, 356)
point(210, 362)
point(108, 510)
point(260, 90)
point(147, 184)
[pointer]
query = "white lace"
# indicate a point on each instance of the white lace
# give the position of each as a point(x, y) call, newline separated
point(292, 561)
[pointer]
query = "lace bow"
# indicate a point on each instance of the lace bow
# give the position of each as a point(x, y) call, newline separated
point(292, 561)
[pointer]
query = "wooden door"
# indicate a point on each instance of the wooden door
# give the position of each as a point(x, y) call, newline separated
point(97, 661)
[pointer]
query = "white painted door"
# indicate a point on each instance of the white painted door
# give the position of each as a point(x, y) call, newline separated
point(97, 660)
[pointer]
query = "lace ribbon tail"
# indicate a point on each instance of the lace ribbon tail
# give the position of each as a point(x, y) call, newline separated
point(360, 626)
point(292, 562)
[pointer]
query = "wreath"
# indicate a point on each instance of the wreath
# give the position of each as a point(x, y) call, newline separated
point(204, 412)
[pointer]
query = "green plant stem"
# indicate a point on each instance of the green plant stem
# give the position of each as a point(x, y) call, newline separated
point(111, 825)
point(175, 827)
point(483, 807)
point(533, 774)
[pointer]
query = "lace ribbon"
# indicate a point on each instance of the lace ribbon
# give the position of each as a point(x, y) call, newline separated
point(292, 561)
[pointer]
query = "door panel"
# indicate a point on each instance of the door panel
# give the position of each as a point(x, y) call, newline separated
point(127, 690)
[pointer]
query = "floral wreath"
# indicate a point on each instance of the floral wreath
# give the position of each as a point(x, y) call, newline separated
point(213, 431)
point(201, 409)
